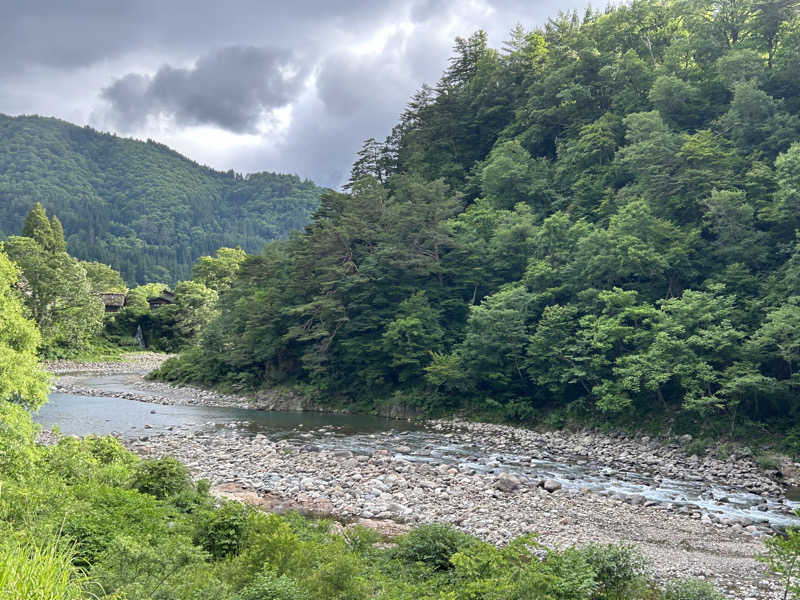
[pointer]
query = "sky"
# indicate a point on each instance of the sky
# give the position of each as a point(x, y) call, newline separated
point(249, 85)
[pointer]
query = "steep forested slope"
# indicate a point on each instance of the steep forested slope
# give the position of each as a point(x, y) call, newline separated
point(139, 207)
point(598, 218)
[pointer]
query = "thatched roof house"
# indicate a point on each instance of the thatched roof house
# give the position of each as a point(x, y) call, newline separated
point(113, 301)
point(165, 297)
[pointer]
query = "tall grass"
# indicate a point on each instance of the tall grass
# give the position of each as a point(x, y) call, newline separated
point(31, 571)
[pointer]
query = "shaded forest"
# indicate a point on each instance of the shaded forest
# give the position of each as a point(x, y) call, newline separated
point(137, 206)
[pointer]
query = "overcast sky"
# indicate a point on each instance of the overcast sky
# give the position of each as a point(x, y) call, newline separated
point(250, 85)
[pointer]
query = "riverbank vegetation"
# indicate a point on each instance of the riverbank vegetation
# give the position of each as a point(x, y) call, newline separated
point(595, 222)
point(85, 518)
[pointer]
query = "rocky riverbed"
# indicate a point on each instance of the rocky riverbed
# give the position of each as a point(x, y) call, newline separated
point(501, 485)
point(496, 506)
point(132, 362)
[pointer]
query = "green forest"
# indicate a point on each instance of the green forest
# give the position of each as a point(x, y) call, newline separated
point(597, 220)
point(138, 206)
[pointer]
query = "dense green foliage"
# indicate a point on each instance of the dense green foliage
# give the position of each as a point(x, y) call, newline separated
point(599, 218)
point(176, 326)
point(139, 207)
point(57, 290)
point(20, 379)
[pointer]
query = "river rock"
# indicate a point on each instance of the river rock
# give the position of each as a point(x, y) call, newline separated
point(551, 485)
point(506, 482)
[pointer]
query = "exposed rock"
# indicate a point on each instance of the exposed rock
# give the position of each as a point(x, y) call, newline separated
point(506, 483)
point(551, 485)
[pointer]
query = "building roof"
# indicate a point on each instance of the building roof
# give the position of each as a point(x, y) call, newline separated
point(112, 298)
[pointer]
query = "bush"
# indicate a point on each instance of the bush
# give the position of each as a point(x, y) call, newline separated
point(691, 589)
point(108, 449)
point(620, 569)
point(221, 533)
point(18, 453)
point(698, 447)
point(95, 515)
point(768, 462)
point(161, 478)
point(561, 576)
point(340, 578)
point(165, 567)
point(269, 586)
point(432, 545)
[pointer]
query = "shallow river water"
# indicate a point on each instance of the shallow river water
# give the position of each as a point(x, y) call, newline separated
point(81, 415)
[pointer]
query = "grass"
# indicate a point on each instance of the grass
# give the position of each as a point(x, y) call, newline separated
point(41, 572)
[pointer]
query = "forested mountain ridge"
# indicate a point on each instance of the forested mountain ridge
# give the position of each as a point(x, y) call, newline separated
point(598, 219)
point(138, 206)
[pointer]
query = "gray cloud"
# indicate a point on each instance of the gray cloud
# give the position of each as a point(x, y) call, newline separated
point(232, 88)
point(78, 33)
point(116, 64)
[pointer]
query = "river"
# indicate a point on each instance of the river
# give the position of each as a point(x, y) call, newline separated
point(77, 414)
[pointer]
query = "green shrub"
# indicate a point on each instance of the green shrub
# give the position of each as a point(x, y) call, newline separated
point(270, 542)
point(698, 447)
point(620, 569)
point(338, 578)
point(432, 545)
point(725, 451)
point(221, 532)
point(166, 567)
point(162, 478)
point(17, 441)
point(269, 586)
point(108, 449)
point(95, 515)
point(563, 575)
point(691, 589)
point(768, 462)
point(361, 539)
point(70, 459)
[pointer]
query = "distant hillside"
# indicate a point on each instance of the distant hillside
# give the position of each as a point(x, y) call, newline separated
point(138, 206)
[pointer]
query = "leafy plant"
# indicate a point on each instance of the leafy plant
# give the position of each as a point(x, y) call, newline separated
point(42, 571)
point(432, 545)
point(620, 570)
point(768, 462)
point(162, 477)
point(691, 589)
point(269, 586)
point(223, 528)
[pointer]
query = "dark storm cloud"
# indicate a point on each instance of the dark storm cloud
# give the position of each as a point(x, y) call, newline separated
point(232, 88)
point(116, 63)
point(77, 33)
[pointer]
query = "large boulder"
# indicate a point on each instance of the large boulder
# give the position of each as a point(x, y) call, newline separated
point(506, 482)
point(551, 485)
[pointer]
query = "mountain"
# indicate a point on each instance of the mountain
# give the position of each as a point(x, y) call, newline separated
point(139, 206)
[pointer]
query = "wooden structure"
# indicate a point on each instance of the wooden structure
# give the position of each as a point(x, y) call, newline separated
point(113, 301)
point(165, 297)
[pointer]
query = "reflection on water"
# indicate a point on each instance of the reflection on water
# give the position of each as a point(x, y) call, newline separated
point(81, 415)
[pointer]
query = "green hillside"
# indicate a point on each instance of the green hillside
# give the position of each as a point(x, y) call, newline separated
point(139, 206)
point(596, 220)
